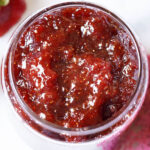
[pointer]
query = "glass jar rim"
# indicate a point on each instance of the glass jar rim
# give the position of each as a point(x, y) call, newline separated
point(56, 128)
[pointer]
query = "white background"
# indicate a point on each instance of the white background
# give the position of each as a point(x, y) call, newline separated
point(135, 12)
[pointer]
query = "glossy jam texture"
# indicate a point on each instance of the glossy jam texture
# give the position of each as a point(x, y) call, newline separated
point(75, 66)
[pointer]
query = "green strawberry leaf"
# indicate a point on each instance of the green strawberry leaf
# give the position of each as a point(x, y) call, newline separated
point(4, 2)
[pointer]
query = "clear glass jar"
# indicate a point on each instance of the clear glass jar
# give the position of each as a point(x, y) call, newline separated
point(40, 133)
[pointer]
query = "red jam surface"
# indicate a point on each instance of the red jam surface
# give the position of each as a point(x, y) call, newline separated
point(10, 14)
point(75, 66)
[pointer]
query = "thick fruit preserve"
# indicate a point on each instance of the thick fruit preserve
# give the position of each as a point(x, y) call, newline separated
point(75, 66)
point(74, 72)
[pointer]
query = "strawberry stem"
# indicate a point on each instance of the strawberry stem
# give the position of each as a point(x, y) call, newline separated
point(4, 2)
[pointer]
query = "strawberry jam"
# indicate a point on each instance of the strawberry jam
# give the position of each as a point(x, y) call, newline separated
point(75, 66)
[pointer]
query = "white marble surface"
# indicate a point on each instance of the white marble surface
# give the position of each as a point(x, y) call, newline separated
point(135, 12)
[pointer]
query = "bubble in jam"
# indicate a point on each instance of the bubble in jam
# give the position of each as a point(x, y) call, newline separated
point(76, 66)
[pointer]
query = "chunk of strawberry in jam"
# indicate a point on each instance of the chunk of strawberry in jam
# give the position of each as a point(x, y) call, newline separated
point(36, 69)
point(85, 84)
point(41, 80)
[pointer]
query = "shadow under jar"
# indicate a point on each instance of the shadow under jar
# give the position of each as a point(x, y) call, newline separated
point(76, 74)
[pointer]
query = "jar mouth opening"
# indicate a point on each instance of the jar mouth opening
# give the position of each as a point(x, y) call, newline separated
point(56, 128)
